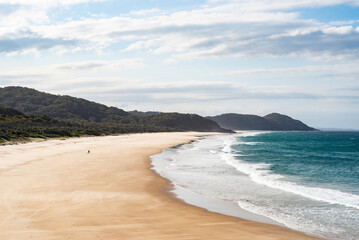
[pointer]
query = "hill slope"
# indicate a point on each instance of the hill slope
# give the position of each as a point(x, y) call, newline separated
point(33, 102)
point(97, 116)
point(15, 125)
point(242, 122)
point(187, 122)
point(285, 123)
point(270, 122)
point(9, 113)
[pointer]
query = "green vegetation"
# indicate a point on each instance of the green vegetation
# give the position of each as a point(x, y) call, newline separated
point(285, 123)
point(33, 102)
point(28, 113)
point(43, 115)
point(15, 125)
point(270, 122)
point(187, 122)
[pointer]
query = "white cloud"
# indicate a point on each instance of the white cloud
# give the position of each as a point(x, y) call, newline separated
point(338, 30)
point(45, 3)
point(320, 69)
point(282, 4)
point(99, 65)
point(218, 29)
point(155, 93)
point(344, 22)
point(69, 73)
point(145, 12)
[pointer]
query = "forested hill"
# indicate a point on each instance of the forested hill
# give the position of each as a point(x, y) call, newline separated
point(46, 115)
point(187, 122)
point(33, 102)
point(16, 125)
point(9, 113)
point(270, 122)
point(285, 123)
point(27, 112)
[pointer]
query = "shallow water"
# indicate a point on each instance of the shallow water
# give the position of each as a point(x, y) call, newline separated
point(308, 181)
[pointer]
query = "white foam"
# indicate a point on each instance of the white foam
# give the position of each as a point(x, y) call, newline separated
point(249, 143)
point(291, 220)
point(228, 142)
point(261, 174)
point(209, 171)
point(251, 133)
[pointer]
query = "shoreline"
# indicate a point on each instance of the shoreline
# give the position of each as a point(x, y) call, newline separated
point(214, 205)
point(220, 206)
point(71, 194)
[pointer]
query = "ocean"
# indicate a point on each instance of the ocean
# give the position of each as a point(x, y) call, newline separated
point(307, 181)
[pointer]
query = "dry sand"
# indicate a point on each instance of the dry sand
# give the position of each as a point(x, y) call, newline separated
point(55, 190)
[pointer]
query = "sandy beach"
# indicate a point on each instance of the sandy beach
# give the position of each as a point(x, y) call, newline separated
point(57, 190)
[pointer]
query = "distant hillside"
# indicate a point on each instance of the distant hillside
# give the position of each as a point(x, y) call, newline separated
point(242, 122)
point(83, 115)
point(16, 125)
point(33, 102)
point(270, 122)
point(187, 122)
point(180, 121)
point(286, 123)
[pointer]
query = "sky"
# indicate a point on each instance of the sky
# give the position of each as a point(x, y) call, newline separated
point(297, 57)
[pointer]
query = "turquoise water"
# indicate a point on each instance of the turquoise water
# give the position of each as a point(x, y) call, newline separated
point(315, 159)
point(307, 181)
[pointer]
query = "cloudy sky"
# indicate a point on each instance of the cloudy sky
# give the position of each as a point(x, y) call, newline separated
point(297, 57)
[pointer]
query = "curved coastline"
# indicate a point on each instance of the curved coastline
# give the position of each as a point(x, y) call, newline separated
point(216, 206)
point(111, 193)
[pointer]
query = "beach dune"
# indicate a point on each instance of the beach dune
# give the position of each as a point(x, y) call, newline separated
point(57, 190)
